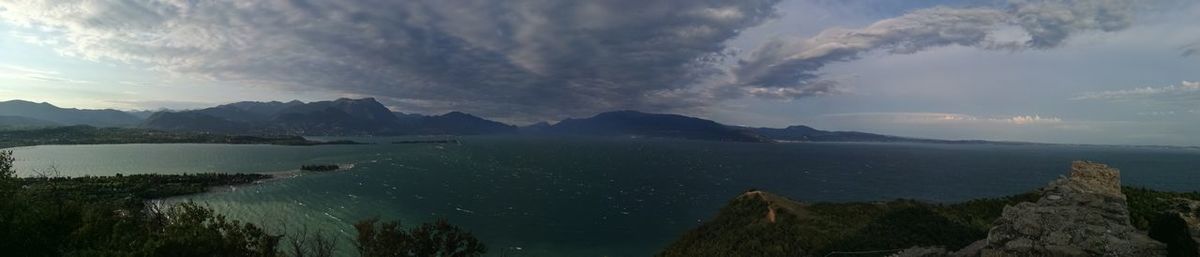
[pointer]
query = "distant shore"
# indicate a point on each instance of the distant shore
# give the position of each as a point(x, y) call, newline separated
point(86, 135)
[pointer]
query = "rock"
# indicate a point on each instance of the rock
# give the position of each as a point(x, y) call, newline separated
point(971, 250)
point(922, 252)
point(1179, 227)
point(1083, 214)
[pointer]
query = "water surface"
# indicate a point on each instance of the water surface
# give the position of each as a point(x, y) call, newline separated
point(594, 197)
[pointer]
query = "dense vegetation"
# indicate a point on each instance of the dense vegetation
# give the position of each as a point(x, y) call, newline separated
point(1145, 205)
point(142, 186)
point(744, 227)
point(109, 216)
point(73, 135)
point(389, 239)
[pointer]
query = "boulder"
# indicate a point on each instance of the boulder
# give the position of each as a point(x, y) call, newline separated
point(1082, 214)
point(1179, 227)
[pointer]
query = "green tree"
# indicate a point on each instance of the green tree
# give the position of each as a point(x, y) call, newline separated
point(439, 239)
point(189, 229)
point(7, 172)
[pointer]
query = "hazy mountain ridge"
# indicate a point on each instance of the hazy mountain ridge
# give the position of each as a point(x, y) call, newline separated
point(67, 116)
point(800, 133)
point(367, 116)
point(459, 123)
point(634, 123)
point(338, 117)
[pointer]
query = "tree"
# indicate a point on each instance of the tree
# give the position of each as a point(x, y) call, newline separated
point(8, 174)
point(189, 229)
point(306, 243)
point(439, 239)
point(6, 165)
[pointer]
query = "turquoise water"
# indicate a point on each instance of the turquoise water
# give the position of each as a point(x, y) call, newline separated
point(594, 197)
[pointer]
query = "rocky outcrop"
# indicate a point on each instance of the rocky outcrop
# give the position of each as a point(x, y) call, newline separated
point(971, 250)
point(922, 252)
point(1179, 227)
point(1083, 214)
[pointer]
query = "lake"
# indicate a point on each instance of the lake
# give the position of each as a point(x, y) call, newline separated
point(528, 196)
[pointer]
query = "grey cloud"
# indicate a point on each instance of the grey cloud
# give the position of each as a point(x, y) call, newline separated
point(1191, 50)
point(807, 88)
point(1185, 94)
point(785, 64)
point(535, 58)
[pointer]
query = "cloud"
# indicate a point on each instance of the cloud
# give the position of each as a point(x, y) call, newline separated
point(160, 104)
point(525, 57)
point(1035, 119)
point(787, 63)
point(1187, 92)
point(944, 118)
point(33, 74)
point(1191, 49)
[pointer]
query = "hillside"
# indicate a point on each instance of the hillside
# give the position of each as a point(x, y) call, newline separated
point(17, 122)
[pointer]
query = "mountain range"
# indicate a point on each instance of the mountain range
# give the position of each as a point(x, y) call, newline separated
point(368, 117)
point(338, 117)
point(46, 114)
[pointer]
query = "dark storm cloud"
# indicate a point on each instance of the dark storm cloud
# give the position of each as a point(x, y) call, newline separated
point(791, 65)
point(532, 59)
point(539, 58)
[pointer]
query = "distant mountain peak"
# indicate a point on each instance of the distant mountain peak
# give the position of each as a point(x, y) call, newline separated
point(636, 123)
point(802, 128)
point(364, 99)
point(628, 113)
point(458, 114)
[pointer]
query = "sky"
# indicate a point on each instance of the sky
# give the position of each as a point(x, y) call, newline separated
point(1063, 71)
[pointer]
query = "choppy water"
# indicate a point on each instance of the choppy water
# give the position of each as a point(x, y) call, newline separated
point(595, 197)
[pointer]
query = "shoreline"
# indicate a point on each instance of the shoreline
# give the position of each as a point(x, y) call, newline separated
point(86, 135)
point(272, 176)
